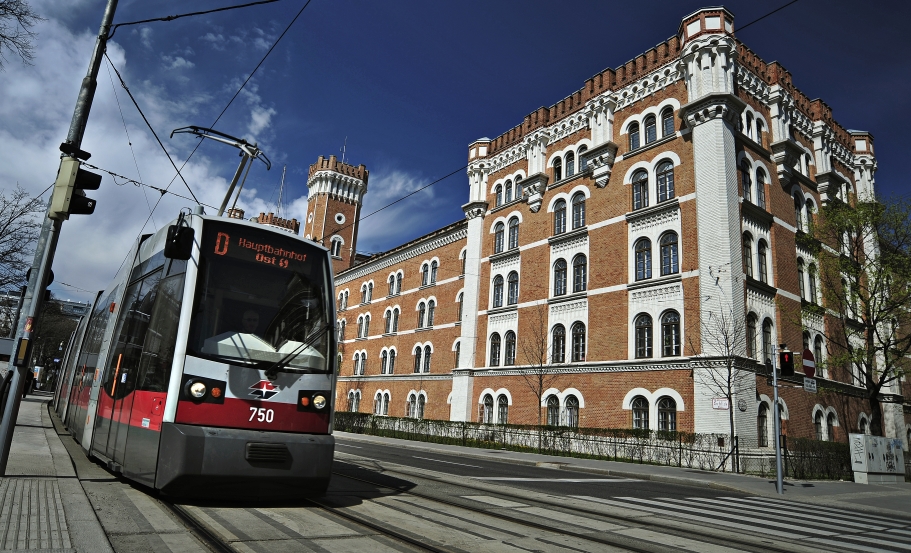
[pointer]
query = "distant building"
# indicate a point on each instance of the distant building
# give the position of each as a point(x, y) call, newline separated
point(611, 227)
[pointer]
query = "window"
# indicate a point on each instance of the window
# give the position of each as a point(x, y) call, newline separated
point(425, 274)
point(427, 352)
point(817, 422)
point(749, 129)
point(487, 412)
point(751, 336)
point(433, 271)
point(759, 130)
point(395, 320)
point(863, 427)
point(553, 411)
point(345, 300)
point(762, 425)
point(498, 291)
point(498, 237)
point(800, 279)
point(760, 189)
point(580, 270)
point(337, 247)
point(495, 350)
point(578, 210)
point(560, 277)
point(643, 336)
point(458, 350)
point(510, 358)
point(391, 285)
point(514, 233)
point(665, 181)
point(767, 341)
point(391, 362)
point(640, 413)
point(583, 164)
point(817, 354)
point(578, 331)
point(520, 193)
point(384, 365)
point(748, 254)
point(366, 325)
point(422, 311)
point(431, 307)
point(746, 181)
point(651, 129)
point(763, 262)
point(378, 404)
point(643, 250)
point(670, 334)
point(499, 193)
point(463, 257)
point(341, 331)
point(640, 190)
point(459, 300)
point(398, 283)
point(369, 292)
point(387, 323)
point(558, 169)
point(512, 296)
point(560, 217)
point(385, 404)
point(667, 122)
point(502, 410)
point(558, 349)
point(360, 327)
point(570, 164)
point(798, 213)
point(572, 412)
point(354, 401)
point(508, 195)
point(417, 359)
point(811, 279)
point(633, 136)
point(669, 262)
point(811, 221)
point(667, 414)
point(363, 293)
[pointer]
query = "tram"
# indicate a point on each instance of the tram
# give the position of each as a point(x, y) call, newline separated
point(207, 367)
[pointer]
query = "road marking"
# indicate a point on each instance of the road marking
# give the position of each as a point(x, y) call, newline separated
point(508, 479)
point(749, 509)
point(494, 501)
point(354, 446)
point(852, 545)
point(448, 462)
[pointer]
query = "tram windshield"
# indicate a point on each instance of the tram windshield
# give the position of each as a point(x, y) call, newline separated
point(262, 300)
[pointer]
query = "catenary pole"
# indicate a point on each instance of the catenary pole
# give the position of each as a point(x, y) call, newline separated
point(47, 242)
point(779, 484)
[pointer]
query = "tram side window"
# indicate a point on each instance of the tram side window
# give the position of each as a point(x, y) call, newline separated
point(132, 324)
point(88, 357)
point(161, 336)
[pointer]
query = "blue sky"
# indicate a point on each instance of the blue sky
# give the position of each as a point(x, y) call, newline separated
point(410, 84)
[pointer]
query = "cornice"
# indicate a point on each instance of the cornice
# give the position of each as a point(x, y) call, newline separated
point(753, 211)
point(719, 105)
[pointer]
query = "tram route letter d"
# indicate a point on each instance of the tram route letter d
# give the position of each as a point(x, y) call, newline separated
point(221, 243)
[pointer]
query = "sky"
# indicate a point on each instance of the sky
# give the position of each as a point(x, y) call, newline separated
point(406, 85)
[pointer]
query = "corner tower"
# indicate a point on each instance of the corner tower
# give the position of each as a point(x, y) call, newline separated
point(336, 191)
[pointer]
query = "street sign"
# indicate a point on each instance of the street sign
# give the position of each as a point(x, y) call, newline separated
point(809, 363)
point(809, 385)
point(721, 403)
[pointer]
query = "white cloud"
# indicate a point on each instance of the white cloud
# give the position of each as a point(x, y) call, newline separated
point(145, 36)
point(177, 62)
point(216, 41)
point(260, 119)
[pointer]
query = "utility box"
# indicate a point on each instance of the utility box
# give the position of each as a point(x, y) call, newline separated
point(876, 460)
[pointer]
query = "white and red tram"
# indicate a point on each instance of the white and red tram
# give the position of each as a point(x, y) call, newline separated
point(213, 375)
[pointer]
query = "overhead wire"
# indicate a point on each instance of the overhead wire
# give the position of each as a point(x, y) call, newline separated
point(173, 17)
point(162, 191)
point(766, 15)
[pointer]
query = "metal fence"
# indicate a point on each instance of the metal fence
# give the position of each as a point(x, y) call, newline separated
point(803, 459)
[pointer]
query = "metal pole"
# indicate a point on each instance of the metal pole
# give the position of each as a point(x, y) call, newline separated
point(224, 203)
point(47, 241)
point(779, 484)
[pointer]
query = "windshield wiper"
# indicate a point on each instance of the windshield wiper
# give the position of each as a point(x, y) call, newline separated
point(272, 371)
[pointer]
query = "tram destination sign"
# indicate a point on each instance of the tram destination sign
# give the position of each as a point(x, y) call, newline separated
point(255, 246)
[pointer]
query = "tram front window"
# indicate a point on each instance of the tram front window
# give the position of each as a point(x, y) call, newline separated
point(261, 301)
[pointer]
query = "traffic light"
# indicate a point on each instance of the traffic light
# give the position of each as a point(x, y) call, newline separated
point(786, 363)
point(69, 198)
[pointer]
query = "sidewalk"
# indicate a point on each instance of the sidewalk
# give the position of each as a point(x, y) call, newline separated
point(892, 499)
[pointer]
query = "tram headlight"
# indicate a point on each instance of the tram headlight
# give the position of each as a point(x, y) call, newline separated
point(319, 401)
point(197, 389)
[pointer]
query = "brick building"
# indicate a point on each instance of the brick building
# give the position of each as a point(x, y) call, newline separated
point(605, 240)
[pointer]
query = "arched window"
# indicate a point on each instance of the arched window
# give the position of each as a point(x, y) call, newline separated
point(670, 334)
point(746, 181)
point(433, 272)
point(512, 296)
point(369, 291)
point(425, 274)
point(667, 414)
point(751, 336)
point(337, 247)
point(760, 189)
point(578, 210)
point(748, 254)
point(558, 349)
point(514, 233)
point(763, 262)
point(811, 219)
point(411, 405)
point(558, 169)
point(422, 311)
point(767, 341)
point(669, 261)
point(345, 300)
point(508, 194)
point(498, 291)
point(391, 362)
point(806, 340)
point(387, 322)
point(459, 300)
point(509, 358)
point(800, 279)
point(863, 427)
point(385, 404)
point(817, 423)
point(762, 425)
point(572, 411)
point(560, 217)
point(495, 350)
point(667, 122)
point(360, 327)
point(398, 283)
point(749, 129)
point(364, 293)
point(640, 190)
point(458, 350)
point(463, 257)
point(366, 325)
point(811, 280)
point(643, 250)
point(553, 411)
point(760, 129)
point(578, 332)
point(427, 352)
point(798, 213)
point(651, 129)
point(341, 331)
point(520, 193)
point(417, 359)
point(633, 136)
point(498, 237)
point(355, 405)
point(560, 277)
point(817, 354)
point(570, 164)
point(385, 362)
point(395, 320)
point(391, 285)
point(580, 273)
point(378, 404)
point(499, 193)
point(431, 307)
point(583, 165)
point(487, 414)
point(665, 181)
point(643, 336)
point(502, 410)
point(640, 413)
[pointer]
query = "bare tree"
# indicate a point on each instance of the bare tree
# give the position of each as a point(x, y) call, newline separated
point(16, 35)
point(19, 228)
point(538, 375)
